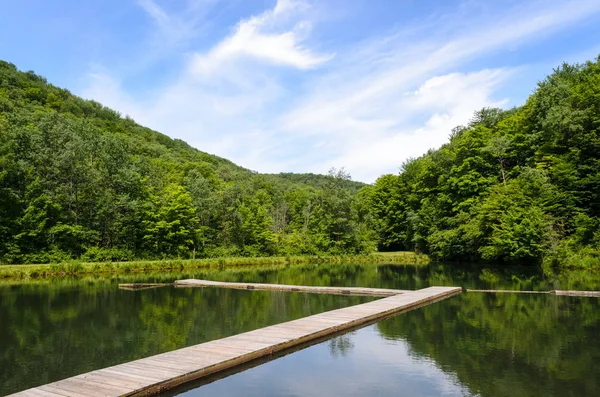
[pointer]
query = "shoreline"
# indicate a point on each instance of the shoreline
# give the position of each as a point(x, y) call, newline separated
point(41, 271)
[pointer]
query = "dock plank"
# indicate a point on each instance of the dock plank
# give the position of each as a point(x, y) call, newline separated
point(114, 379)
point(152, 375)
point(578, 293)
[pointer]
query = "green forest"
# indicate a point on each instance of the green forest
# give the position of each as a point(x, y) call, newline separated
point(517, 186)
point(80, 181)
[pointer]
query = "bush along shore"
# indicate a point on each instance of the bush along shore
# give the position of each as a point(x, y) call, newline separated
point(81, 268)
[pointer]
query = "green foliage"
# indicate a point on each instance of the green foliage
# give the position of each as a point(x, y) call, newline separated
point(515, 186)
point(78, 181)
point(102, 260)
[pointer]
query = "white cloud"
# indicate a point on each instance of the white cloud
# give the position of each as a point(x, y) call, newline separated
point(447, 100)
point(106, 89)
point(261, 37)
point(250, 98)
point(366, 109)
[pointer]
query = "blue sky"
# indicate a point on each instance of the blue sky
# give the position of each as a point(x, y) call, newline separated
point(301, 85)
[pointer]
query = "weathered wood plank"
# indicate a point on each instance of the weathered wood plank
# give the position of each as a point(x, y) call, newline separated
point(140, 286)
point(112, 378)
point(38, 393)
point(86, 385)
point(578, 293)
point(142, 377)
point(154, 374)
point(67, 390)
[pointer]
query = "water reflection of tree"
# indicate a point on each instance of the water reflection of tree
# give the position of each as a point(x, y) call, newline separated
point(341, 345)
point(509, 344)
point(53, 331)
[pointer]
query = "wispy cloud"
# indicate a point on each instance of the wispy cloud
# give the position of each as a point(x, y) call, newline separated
point(173, 30)
point(445, 101)
point(157, 13)
point(267, 97)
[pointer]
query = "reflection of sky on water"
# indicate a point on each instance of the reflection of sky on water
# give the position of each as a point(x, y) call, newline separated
point(361, 363)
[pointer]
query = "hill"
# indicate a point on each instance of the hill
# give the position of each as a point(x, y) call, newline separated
point(78, 180)
point(517, 186)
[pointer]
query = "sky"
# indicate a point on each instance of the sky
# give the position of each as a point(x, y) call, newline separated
point(301, 85)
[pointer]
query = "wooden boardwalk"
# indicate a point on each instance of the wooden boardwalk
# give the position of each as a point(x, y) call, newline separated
point(292, 288)
point(150, 376)
point(554, 292)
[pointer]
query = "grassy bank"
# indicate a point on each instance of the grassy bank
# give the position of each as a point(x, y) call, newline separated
point(79, 268)
point(568, 257)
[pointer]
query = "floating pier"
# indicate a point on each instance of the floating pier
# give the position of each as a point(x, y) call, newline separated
point(382, 292)
point(509, 291)
point(590, 294)
point(140, 286)
point(155, 374)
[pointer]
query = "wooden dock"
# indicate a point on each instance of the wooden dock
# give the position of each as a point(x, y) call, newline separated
point(141, 286)
point(152, 375)
point(381, 292)
point(590, 294)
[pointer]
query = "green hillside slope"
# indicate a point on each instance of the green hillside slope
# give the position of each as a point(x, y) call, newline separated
point(77, 180)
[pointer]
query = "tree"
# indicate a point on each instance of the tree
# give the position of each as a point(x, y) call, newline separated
point(498, 147)
point(170, 223)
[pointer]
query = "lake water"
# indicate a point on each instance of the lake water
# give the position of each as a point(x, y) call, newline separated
point(471, 344)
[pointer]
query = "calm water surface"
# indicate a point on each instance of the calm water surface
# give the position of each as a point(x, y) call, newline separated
point(471, 344)
point(50, 332)
point(467, 345)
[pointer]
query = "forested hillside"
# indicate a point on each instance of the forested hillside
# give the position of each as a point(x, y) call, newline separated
point(78, 180)
point(514, 186)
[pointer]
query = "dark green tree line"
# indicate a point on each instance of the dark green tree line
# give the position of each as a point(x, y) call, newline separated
point(514, 186)
point(77, 180)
